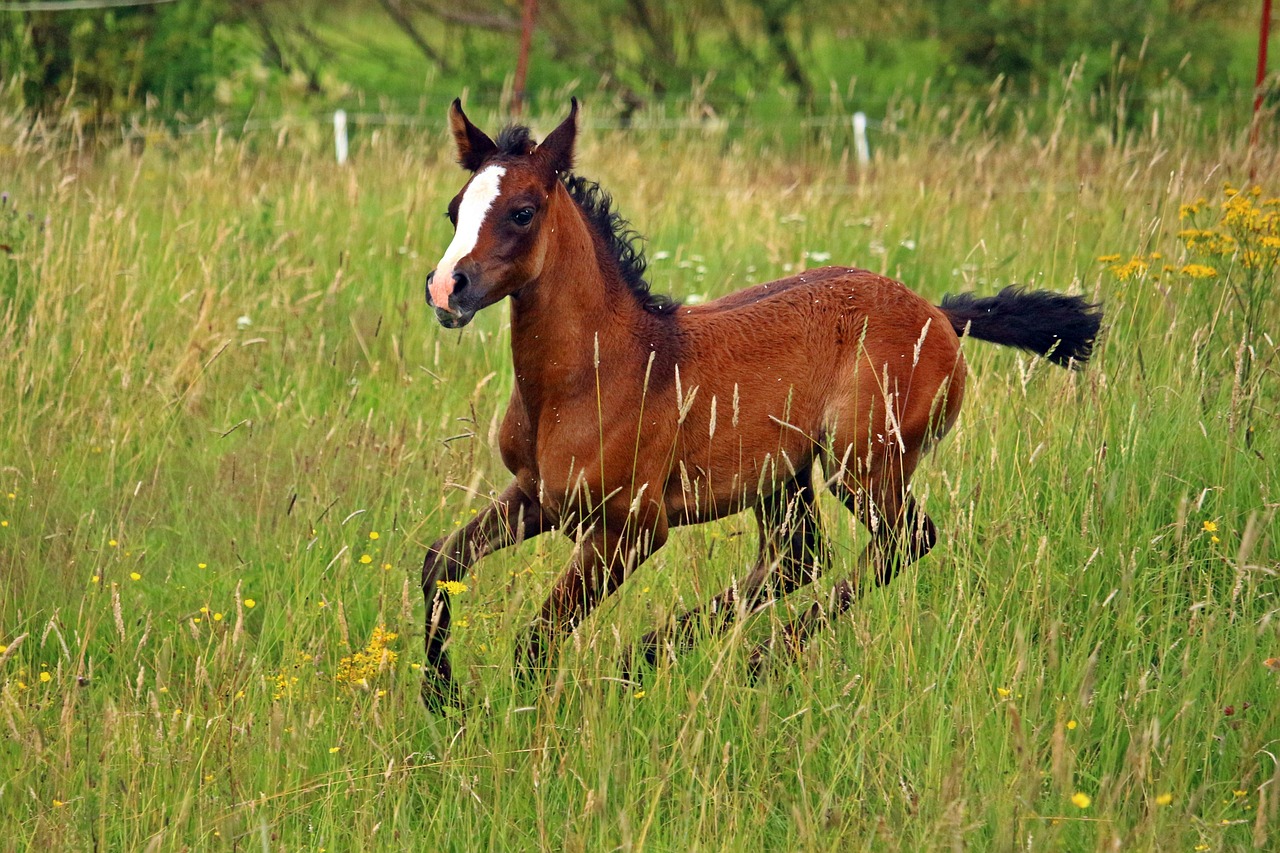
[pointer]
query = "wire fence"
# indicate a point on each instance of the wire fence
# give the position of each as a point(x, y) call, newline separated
point(75, 5)
point(903, 118)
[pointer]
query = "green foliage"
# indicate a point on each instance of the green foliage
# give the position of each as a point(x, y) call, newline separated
point(1030, 44)
point(115, 59)
point(710, 57)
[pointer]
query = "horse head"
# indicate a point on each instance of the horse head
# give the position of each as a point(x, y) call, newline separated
point(499, 216)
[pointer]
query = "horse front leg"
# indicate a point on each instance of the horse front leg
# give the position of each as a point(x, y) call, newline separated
point(605, 558)
point(509, 520)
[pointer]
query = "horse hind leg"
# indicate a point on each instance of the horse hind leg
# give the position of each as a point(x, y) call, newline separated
point(792, 553)
point(901, 533)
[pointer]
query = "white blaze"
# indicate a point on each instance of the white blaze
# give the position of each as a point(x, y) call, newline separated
point(476, 201)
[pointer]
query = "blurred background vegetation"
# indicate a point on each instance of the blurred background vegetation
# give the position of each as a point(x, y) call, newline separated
point(185, 60)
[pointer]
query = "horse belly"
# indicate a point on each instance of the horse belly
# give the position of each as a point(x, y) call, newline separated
point(730, 472)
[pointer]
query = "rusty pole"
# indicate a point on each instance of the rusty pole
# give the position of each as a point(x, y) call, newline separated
point(1263, 35)
point(522, 64)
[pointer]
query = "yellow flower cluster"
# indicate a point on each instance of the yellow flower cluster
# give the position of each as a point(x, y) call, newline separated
point(1187, 211)
point(360, 667)
point(1198, 271)
point(1135, 267)
point(1208, 242)
point(284, 682)
point(1247, 230)
point(1246, 234)
point(284, 685)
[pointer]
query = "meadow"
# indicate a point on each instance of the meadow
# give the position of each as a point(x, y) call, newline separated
point(229, 426)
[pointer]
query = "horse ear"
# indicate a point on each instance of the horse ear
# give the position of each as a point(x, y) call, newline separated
point(474, 145)
point(557, 148)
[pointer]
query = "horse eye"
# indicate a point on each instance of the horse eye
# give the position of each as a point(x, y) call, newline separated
point(523, 216)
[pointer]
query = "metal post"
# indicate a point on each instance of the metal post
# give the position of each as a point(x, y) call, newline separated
point(522, 64)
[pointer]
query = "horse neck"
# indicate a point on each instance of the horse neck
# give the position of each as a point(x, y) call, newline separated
point(572, 317)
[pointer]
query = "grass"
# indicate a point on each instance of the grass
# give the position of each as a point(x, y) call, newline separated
point(221, 382)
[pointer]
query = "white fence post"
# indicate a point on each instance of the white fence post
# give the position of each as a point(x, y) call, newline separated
point(340, 135)
point(860, 138)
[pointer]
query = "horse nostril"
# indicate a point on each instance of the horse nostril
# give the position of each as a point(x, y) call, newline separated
point(460, 281)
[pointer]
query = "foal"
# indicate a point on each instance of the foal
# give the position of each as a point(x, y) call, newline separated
point(632, 414)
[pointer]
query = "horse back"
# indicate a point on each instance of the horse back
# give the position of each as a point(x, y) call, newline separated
point(831, 356)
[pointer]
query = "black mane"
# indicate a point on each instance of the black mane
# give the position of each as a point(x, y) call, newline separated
point(625, 245)
point(514, 140)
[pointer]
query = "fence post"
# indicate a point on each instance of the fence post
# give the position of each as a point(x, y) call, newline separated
point(860, 145)
point(340, 135)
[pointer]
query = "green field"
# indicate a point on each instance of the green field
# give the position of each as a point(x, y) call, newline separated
point(231, 426)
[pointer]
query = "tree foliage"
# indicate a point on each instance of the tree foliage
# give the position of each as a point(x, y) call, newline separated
point(194, 54)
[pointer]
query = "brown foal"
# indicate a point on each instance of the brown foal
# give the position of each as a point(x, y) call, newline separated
point(632, 414)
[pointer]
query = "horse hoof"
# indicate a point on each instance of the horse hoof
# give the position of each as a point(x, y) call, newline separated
point(531, 656)
point(439, 693)
point(632, 665)
point(758, 662)
point(648, 650)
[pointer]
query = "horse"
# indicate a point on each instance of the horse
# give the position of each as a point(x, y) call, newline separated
point(632, 413)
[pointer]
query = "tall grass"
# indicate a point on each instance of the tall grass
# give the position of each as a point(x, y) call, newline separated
point(230, 427)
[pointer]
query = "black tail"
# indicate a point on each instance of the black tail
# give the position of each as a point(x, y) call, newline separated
point(1061, 328)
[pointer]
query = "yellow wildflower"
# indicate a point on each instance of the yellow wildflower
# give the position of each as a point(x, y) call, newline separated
point(1108, 259)
point(1198, 271)
point(1211, 527)
point(134, 576)
point(250, 603)
point(1004, 692)
point(1081, 800)
point(373, 659)
point(366, 559)
point(1164, 799)
point(1071, 725)
point(46, 677)
point(452, 587)
point(373, 534)
point(1133, 268)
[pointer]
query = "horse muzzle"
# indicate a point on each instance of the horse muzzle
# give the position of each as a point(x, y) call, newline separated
point(455, 316)
point(453, 320)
